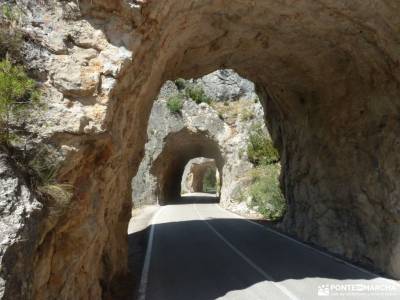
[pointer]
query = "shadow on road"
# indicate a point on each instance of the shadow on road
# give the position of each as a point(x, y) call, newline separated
point(189, 261)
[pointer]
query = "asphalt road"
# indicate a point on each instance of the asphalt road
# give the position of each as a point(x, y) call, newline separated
point(199, 251)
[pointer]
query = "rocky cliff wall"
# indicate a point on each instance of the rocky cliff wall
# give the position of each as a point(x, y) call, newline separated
point(23, 225)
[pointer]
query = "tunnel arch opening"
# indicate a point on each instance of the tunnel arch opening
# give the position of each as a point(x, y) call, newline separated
point(179, 149)
point(200, 176)
point(306, 116)
point(226, 107)
point(328, 77)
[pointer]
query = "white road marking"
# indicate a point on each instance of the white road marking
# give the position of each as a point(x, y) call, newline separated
point(309, 247)
point(146, 266)
point(247, 259)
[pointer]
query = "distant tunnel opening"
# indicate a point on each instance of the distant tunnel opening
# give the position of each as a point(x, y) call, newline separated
point(201, 176)
point(180, 148)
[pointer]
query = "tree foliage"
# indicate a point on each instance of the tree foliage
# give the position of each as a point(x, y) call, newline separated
point(210, 181)
point(18, 93)
point(260, 148)
point(11, 36)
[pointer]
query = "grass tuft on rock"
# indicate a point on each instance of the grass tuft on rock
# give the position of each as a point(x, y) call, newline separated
point(175, 103)
point(43, 165)
point(197, 94)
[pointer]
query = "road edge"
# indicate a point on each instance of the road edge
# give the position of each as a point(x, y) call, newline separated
point(147, 259)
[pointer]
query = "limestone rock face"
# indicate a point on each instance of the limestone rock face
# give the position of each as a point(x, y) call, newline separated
point(230, 136)
point(20, 216)
point(225, 85)
point(327, 72)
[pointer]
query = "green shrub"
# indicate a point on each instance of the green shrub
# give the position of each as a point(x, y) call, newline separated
point(175, 103)
point(260, 148)
point(197, 94)
point(18, 94)
point(266, 195)
point(264, 191)
point(11, 36)
point(10, 12)
point(180, 84)
point(10, 44)
point(210, 181)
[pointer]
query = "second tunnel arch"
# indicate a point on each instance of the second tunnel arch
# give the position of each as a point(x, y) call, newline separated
point(180, 148)
point(196, 172)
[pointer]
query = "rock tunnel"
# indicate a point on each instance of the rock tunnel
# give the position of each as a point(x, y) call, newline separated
point(328, 73)
point(194, 173)
point(180, 148)
point(329, 86)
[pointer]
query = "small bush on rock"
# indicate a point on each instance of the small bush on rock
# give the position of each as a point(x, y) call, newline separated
point(265, 192)
point(180, 84)
point(210, 181)
point(197, 94)
point(18, 94)
point(260, 148)
point(42, 163)
point(11, 36)
point(175, 103)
